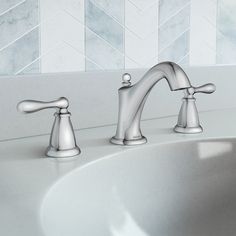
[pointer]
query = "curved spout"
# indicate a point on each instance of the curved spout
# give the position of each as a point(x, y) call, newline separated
point(173, 73)
point(132, 100)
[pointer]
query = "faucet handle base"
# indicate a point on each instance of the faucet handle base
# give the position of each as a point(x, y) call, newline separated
point(188, 130)
point(134, 142)
point(117, 141)
point(53, 152)
point(131, 142)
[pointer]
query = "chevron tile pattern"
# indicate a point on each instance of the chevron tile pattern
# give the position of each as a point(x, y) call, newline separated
point(203, 28)
point(104, 35)
point(44, 36)
point(141, 33)
point(174, 30)
point(19, 41)
point(62, 36)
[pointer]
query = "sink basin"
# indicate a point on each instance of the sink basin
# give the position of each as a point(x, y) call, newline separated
point(175, 189)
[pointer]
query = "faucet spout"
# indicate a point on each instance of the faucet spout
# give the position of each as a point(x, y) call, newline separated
point(132, 99)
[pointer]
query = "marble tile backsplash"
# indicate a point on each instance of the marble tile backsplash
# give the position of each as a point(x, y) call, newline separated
point(19, 40)
point(226, 33)
point(44, 36)
point(104, 35)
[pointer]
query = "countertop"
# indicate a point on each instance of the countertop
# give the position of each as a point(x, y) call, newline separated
point(26, 175)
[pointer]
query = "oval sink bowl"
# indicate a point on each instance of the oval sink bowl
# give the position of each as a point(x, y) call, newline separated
point(178, 189)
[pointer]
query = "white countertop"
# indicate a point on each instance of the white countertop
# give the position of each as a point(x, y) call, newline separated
point(26, 175)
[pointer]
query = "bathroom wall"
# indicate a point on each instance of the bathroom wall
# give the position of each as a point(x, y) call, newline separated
point(44, 36)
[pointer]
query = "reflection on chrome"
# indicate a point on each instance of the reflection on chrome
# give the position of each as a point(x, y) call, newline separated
point(213, 149)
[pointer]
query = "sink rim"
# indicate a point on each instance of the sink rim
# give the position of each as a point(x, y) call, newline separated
point(128, 150)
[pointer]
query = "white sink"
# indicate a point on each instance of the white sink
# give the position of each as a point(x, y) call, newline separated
point(178, 189)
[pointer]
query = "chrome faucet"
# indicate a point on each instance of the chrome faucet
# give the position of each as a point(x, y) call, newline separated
point(62, 140)
point(188, 120)
point(133, 97)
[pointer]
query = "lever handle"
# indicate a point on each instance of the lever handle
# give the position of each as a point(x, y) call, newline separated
point(30, 106)
point(206, 88)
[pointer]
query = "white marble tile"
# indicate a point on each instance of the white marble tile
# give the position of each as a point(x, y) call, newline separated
point(226, 33)
point(104, 26)
point(20, 54)
point(74, 7)
point(184, 61)
point(61, 28)
point(225, 50)
point(114, 8)
point(6, 5)
point(102, 54)
point(203, 32)
point(117, 34)
point(227, 5)
point(167, 8)
point(142, 5)
point(177, 51)
point(32, 68)
point(91, 66)
point(174, 28)
point(131, 64)
point(62, 23)
point(19, 41)
point(62, 58)
point(141, 53)
point(226, 36)
point(17, 22)
point(142, 23)
point(50, 8)
point(141, 34)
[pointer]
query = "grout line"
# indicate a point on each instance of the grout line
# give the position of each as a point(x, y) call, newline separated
point(44, 54)
point(174, 14)
point(181, 59)
point(12, 7)
point(52, 49)
point(12, 42)
point(145, 8)
point(176, 38)
point(83, 54)
point(29, 31)
point(123, 26)
point(105, 41)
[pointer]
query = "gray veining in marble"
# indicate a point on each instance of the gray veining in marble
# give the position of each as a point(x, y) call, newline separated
point(20, 54)
point(107, 32)
point(178, 51)
point(101, 54)
point(169, 7)
point(91, 66)
point(174, 28)
point(20, 20)
point(114, 8)
point(5, 5)
point(33, 68)
point(226, 34)
point(184, 61)
point(104, 26)
point(19, 41)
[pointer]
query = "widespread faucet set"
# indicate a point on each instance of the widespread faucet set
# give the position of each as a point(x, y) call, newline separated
point(131, 103)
